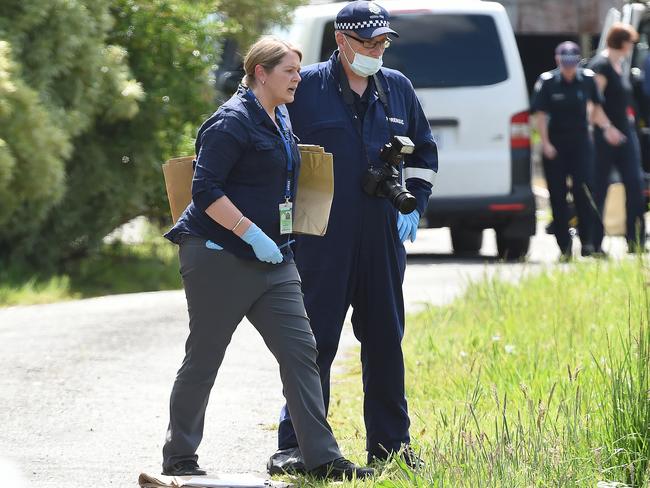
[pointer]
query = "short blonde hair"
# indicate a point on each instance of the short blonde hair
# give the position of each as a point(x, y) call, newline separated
point(267, 52)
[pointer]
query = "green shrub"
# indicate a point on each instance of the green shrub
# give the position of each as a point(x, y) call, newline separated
point(94, 97)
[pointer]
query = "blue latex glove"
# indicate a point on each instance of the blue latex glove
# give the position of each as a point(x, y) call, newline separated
point(265, 249)
point(213, 245)
point(407, 225)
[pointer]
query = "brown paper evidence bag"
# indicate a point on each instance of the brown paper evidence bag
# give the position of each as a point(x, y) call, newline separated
point(313, 200)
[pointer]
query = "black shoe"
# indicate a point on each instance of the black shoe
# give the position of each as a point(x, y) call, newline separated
point(189, 467)
point(634, 247)
point(411, 459)
point(599, 254)
point(587, 250)
point(406, 454)
point(286, 461)
point(341, 469)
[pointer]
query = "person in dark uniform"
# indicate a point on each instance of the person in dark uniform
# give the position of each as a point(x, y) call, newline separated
point(235, 262)
point(564, 101)
point(352, 106)
point(626, 156)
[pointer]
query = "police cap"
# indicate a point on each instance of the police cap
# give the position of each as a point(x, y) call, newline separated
point(365, 19)
point(569, 53)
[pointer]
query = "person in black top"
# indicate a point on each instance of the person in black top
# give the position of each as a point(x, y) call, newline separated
point(618, 103)
point(564, 100)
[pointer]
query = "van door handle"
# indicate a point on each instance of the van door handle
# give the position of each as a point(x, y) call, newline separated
point(443, 122)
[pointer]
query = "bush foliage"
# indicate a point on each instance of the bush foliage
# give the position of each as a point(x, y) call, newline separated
point(94, 96)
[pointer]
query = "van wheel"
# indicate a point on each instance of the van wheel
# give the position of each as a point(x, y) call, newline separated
point(512, 248)
point(466, 241)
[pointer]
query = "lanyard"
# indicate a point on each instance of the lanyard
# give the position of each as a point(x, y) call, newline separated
point(286, 139)
point(285, 135)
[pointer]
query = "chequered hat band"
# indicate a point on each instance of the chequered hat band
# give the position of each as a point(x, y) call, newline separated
point(360, 25)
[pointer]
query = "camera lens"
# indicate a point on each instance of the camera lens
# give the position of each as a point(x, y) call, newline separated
point(399, 196)
point(405, 202)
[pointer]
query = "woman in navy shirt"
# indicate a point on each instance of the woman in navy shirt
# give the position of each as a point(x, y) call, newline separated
point(236, 262)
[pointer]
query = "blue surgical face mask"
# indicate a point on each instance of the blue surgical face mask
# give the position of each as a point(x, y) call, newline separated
point(363, 65)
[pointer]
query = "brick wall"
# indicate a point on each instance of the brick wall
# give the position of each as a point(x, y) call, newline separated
point(558, 16)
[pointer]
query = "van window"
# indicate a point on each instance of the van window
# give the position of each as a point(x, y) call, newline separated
point(440, 51)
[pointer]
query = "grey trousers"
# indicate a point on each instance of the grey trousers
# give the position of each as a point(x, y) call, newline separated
point(221, 290)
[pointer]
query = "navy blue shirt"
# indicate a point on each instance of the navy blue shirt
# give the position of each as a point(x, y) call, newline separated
point(240, 154)
point(362, 101)
point(564, 101)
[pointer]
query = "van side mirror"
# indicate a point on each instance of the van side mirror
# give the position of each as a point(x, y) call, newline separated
point(228, 81)
point(230, 69)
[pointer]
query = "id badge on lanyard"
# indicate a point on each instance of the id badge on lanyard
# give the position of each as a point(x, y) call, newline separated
point(286, 208)
point(286, 217)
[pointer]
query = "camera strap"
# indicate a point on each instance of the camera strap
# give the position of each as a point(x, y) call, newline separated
point(384, 101)
point(348, 99)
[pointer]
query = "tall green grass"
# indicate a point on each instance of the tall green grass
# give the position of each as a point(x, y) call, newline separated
point(34, 290)
point(544, 383)
point(626, 393)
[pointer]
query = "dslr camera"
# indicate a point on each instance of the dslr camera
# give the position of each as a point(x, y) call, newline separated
point(384, 182)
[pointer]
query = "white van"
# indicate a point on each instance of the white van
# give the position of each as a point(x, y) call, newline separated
point(463, 61)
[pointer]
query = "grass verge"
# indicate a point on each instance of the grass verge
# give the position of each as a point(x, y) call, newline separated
point(118, 268)
point(544, 383)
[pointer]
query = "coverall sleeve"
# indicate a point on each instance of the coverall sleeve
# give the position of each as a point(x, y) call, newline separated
point(220, 147)
point(421, 167)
